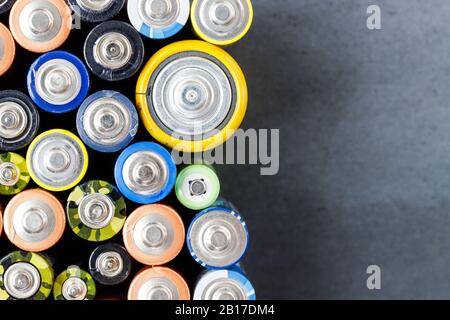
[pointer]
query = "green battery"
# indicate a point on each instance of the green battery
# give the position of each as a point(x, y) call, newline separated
point(96, 211)
point(14, 176)
point(74, 284)
point(197, 186)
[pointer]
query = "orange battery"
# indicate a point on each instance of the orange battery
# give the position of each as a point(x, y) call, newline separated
point(7, 49)
point(1, 219)
point(34, 220)
point(40, 25)
point(154, 234)
point(158, 283)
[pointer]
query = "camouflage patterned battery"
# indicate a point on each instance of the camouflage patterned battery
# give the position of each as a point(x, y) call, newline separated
point(14, 176)
point(74, 284)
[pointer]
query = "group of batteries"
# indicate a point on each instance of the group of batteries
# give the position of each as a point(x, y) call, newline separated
point(191, 96)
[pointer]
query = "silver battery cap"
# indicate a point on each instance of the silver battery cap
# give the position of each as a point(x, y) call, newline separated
point(9, 174)
point(22, 280)
point(96, 210)
point(153, 234)
point(158, 289)
point(13, 120)
point(109, 264)
point(74, 288)
point(113, 50)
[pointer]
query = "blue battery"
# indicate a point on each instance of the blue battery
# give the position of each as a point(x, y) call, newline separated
point(107, 121)
point(58, 82)
point(217, 238)
point(145, 172)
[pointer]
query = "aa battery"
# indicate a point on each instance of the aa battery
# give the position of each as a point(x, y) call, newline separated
point(74, 284)
point(1, 218)
point(40, 25)
point(110, 264)
point(5, 5)
point(114, 51)
point(7, 49)
point(145, 172)
point(221, 22)
point(192, 96)
point(34, 220)
point(197, 186)
point(96, 11)
point(96, 211)
point(57, 160)
point(25, 276)
point(14, 176)
point(107, 121)
point(58, 82)
point(19, 120)
point(158, 283)
point(158, 19)
point(154, 234)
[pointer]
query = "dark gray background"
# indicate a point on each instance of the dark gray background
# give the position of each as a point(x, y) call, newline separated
point(365, 154)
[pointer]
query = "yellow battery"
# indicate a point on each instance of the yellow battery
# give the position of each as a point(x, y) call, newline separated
point(192, 96)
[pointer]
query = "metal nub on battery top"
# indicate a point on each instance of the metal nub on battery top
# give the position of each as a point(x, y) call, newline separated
point(57, 160)
point(107, 121)
point(217, 238)
point(114, 51)
point(96, 10)
point(40, 25)
point(14, 176)
point(74, 284)
point(110, 264)
point(154, 234)
point(221, 22)
point(7, 49)
point(145, 172)
point(34, 220)
point(224, 285)
point(158, 19)
point(5, 5)
point(158, 283)
point(25, 276)
point(58, 82)
point(197, 186)
point(19, 120)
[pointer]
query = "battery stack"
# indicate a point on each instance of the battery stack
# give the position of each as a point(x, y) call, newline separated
point(92, 203)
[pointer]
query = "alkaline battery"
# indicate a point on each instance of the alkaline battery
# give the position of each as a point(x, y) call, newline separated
point(145, 172)
point(110, 264)
point(217, 237)
point(114, 51)
point(25, 276)
point(96, 10)
point(158, 283)
point(74, 284)
point(34, 220)
point(154, 234)
point(197, 186)
point(96, 211)
point(40, 25)
point(57, 160)
point(221, 22)
point(224, 285)
point(107, 121)
point(5, 5)
point(14, 176)
point(58, 82)
point(7, 49)
point(19, 120)
point(158, 19)
point(192, 96)
point(1, 218)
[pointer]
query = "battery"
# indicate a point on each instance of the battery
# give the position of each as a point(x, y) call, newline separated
point(110, 264)
point(96, 10)
point(158, 283)
point(224, 285)
point(192, 96)
point(14, 176)
point(25, 276)
point(5, 5)
point(74, 284)
point(58, 82)
point(19, 120)
point(57, 160)
point(96, 211)
point(34, 220)
point(107, 121)
point(221, 22)
point(217, 237)
point(145, 172)
point(158, 19)
point(114, 51)
point(7, 49)
point(1, 218)
point(40, 25)
point(197, 186)
point(154, 234)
